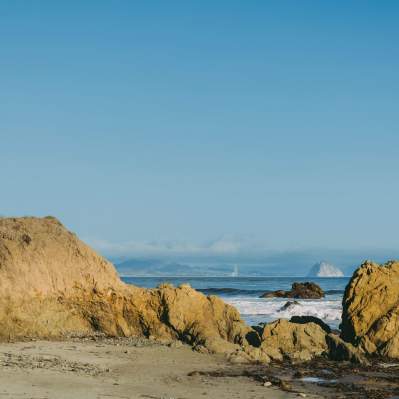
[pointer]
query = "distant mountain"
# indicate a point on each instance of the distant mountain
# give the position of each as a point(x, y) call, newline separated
point(324, 269)
point(146, 267)
point(153, 267)
point(157, 267)
point(169, 268)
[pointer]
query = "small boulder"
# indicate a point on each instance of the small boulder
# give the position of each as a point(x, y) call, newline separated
point(239, 357)
point(297, 342)
point(288, 305)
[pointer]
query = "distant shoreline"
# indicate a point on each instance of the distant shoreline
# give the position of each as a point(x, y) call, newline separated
point(230, 277)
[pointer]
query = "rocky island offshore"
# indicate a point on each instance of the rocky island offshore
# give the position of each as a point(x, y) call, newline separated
point(307, 290)
point(325, 269)
point(52, 285)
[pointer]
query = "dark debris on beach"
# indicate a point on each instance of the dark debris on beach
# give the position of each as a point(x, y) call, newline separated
point(321, 377)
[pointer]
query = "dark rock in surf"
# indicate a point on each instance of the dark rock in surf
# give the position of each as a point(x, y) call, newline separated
point(288, 305)
point(306, 290)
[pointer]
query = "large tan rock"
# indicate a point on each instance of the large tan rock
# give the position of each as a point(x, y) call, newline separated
point(195, 319)
point(40, 257)
point(52, 284)
point(295, 341)
point(370, 317)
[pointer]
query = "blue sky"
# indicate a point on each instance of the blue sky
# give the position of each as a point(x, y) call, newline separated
point(182, 124)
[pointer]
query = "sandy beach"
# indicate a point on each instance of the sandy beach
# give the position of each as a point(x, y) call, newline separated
point(130, 368)
point(100, 369)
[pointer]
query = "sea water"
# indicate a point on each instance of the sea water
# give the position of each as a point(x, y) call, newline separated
point(244, 293)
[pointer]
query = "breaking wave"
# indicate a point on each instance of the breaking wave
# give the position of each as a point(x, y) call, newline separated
point(258, 310)
point(256, 292)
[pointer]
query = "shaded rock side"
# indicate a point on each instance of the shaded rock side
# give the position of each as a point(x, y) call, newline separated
point(340, 350)
point(311, 319)
point(306, 290)
point(370, 317)
point(52, 284)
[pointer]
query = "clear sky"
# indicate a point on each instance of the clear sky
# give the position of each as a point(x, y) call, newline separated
point(193, 121)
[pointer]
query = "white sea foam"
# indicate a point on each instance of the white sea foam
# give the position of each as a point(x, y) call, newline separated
point(257, 310)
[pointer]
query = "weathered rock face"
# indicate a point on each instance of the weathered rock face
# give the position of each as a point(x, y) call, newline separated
point(52, 284)
point(295, 341)
point(306, 290)
point(370, 317)
point(40, 257)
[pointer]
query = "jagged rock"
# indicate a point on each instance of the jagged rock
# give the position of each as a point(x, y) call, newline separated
point(306, 290)
point(296, 341)
point(52, 284)
point(341, 350)
point(370, 317)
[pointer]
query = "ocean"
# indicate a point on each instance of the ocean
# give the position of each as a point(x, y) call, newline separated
point(244, 292)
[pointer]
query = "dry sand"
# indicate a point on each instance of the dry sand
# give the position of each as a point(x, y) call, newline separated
point(104, 369)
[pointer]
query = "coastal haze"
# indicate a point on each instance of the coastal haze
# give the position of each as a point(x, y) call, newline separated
point(289, 265)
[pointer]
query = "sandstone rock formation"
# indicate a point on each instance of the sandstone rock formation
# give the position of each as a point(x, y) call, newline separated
point(370, 318)
point(306, 290)
point(52, 284)
point(295, 341)
point(40, 257)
